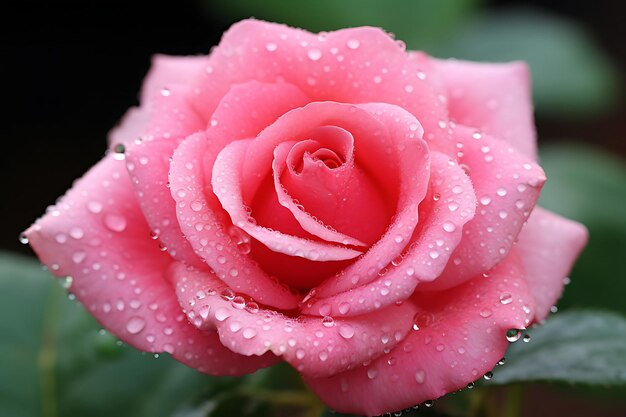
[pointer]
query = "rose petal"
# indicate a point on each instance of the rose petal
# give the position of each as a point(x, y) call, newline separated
point(305, 219)
point(493, 98)
point(172, 118)
point(314, 346)
point(461, 336)
point(352, 66)
point(403, 143)
point(207, 230)
point(124, 288)
point(165, 72)
point(448, 207)
point(549, 245)
point(507, 185)
point(227, 186)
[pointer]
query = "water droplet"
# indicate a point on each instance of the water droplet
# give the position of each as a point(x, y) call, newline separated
point(77, 233)
point(420, 376)
point(196, 205)
point(67, 282)
point(115, 222)
point(449, 227)
point(328, 321)
point(248, 333)
point(23, 239)
point(346, 331)
point(94, 207)
point(227, 294)
point(526, 338)
point(314, 54)
point(513, 335)
point(119, 151)
point(239, 302)
point(344, 308)
point(135, 325)
point(222, 314)
point(501, 192)
point(353, 44)
point(488, 376)
point(271, 47)
point(372, 373)
point(506, 298)
point(252, 307)
point(323, 355)
point(485, 312)
point(79, 256)
point(436, 196)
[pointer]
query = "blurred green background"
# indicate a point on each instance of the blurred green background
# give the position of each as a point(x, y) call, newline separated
point(76, 66)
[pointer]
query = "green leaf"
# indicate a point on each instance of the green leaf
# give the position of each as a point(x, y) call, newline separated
point(586, 347)
point(571, 74)
point(587, 185)
point(54, 361)
point(418, 23)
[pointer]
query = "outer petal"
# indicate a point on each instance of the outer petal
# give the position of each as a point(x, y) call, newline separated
point(208, 230)
point(493, 98)
point(314, 346)
point(124, 288)
point(507, 186)
point(172, 118)
point(448, 206)
point(351, 66)
point(549, 245)
point(165, 72)
point(461, 336)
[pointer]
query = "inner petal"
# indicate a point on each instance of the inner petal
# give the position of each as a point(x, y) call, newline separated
point(324, 178)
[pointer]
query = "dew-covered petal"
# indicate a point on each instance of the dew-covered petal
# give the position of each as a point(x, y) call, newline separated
point(354, 65)
point(461, 336)
point(403, 144)
point(211, 234)
point(227, 186)
point(449, 205)
point(97, 235)
point(315, 346)
point(314, 226)
point(166, 73)
point(549, 245)
point(493, 98)
point(172, 118)
point(507, 186)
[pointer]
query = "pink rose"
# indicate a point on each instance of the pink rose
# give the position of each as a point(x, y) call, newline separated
point(362, 212)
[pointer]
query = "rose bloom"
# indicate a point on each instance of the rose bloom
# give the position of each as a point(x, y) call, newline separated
point(363, 212)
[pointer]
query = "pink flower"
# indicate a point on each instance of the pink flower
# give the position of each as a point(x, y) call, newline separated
point(361, 212)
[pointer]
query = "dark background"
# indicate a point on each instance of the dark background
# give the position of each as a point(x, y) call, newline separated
point(74, 67)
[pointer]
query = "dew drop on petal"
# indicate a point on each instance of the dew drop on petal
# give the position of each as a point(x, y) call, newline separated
point(115, 222)
point(420, 376)
point(346, 331)
point(353, 44)
point(513, 335)
point(506, 298)
point(135, 325)
point(449, 227)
